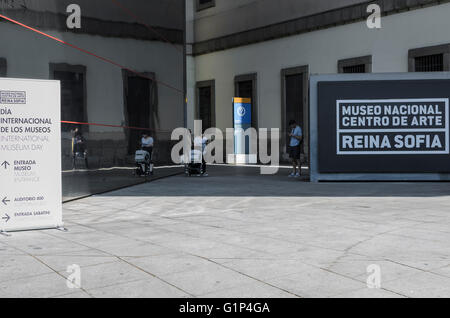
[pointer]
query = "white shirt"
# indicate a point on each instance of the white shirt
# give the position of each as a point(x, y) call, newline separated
point(200, 141)
point(147, 142)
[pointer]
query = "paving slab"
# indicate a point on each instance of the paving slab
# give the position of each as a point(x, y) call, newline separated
point(39, 286)
point(207, 278)
point(252, 290)
point(423, 285)
point(316, 283)
point(147, 288)
point(108, 274)
point(13, 267)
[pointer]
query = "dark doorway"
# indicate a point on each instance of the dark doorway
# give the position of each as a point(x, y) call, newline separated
point(137, 109)
point(206, 104)
point(295, 106)
point(245, 87)
point(294, 98)
point(2, 67)
point(205, 107)
point(73, 93)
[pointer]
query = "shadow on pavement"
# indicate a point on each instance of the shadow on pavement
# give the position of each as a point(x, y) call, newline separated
point(81, 183)
point(232, 181)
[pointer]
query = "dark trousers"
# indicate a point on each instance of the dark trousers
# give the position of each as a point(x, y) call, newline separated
point(203, 165)
point(149, 150)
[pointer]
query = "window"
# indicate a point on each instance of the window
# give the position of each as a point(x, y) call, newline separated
point(2, 67)
point(206, 110)
point(360, 68)
point(429, 63)
point(205, 4)
point(430, 59)
point(356, 65)
point(73, 93)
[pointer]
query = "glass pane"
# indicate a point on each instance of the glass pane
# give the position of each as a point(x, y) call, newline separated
point(122, 75)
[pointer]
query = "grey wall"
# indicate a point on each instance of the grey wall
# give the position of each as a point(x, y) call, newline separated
point(229, 17)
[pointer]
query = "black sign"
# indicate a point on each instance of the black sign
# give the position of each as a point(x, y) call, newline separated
point(384, 126)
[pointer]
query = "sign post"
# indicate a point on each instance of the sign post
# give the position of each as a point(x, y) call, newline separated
point(30, 155)
point(242, 110)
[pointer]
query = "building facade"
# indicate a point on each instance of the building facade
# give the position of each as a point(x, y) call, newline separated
point(267, 50)
point(124, 66)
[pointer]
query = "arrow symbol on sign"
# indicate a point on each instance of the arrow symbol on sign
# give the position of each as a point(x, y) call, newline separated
point(5, 201)
point(6, 217)
point(5, 164)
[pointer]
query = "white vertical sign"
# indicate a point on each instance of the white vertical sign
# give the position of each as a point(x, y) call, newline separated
point(30, 155)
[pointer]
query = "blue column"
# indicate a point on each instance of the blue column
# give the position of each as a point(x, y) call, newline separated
point(242, 119)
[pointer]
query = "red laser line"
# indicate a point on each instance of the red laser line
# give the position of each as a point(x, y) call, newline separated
point(88, 52)
point(108, 125)
point(139, 20)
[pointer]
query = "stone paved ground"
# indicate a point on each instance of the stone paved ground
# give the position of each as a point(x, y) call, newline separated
point(239, 234)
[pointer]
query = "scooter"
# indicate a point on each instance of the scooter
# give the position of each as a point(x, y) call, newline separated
point(193, 164)
point(144, 164)
point(79, 151)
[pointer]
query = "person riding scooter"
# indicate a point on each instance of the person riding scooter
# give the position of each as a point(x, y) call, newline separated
point(143, 156)
point(79, 150)
point(201, 142)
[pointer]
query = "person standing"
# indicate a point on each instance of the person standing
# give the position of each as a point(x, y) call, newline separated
point(79, 149)
point(147, 143)
point(296, 138)
point(200, 141)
